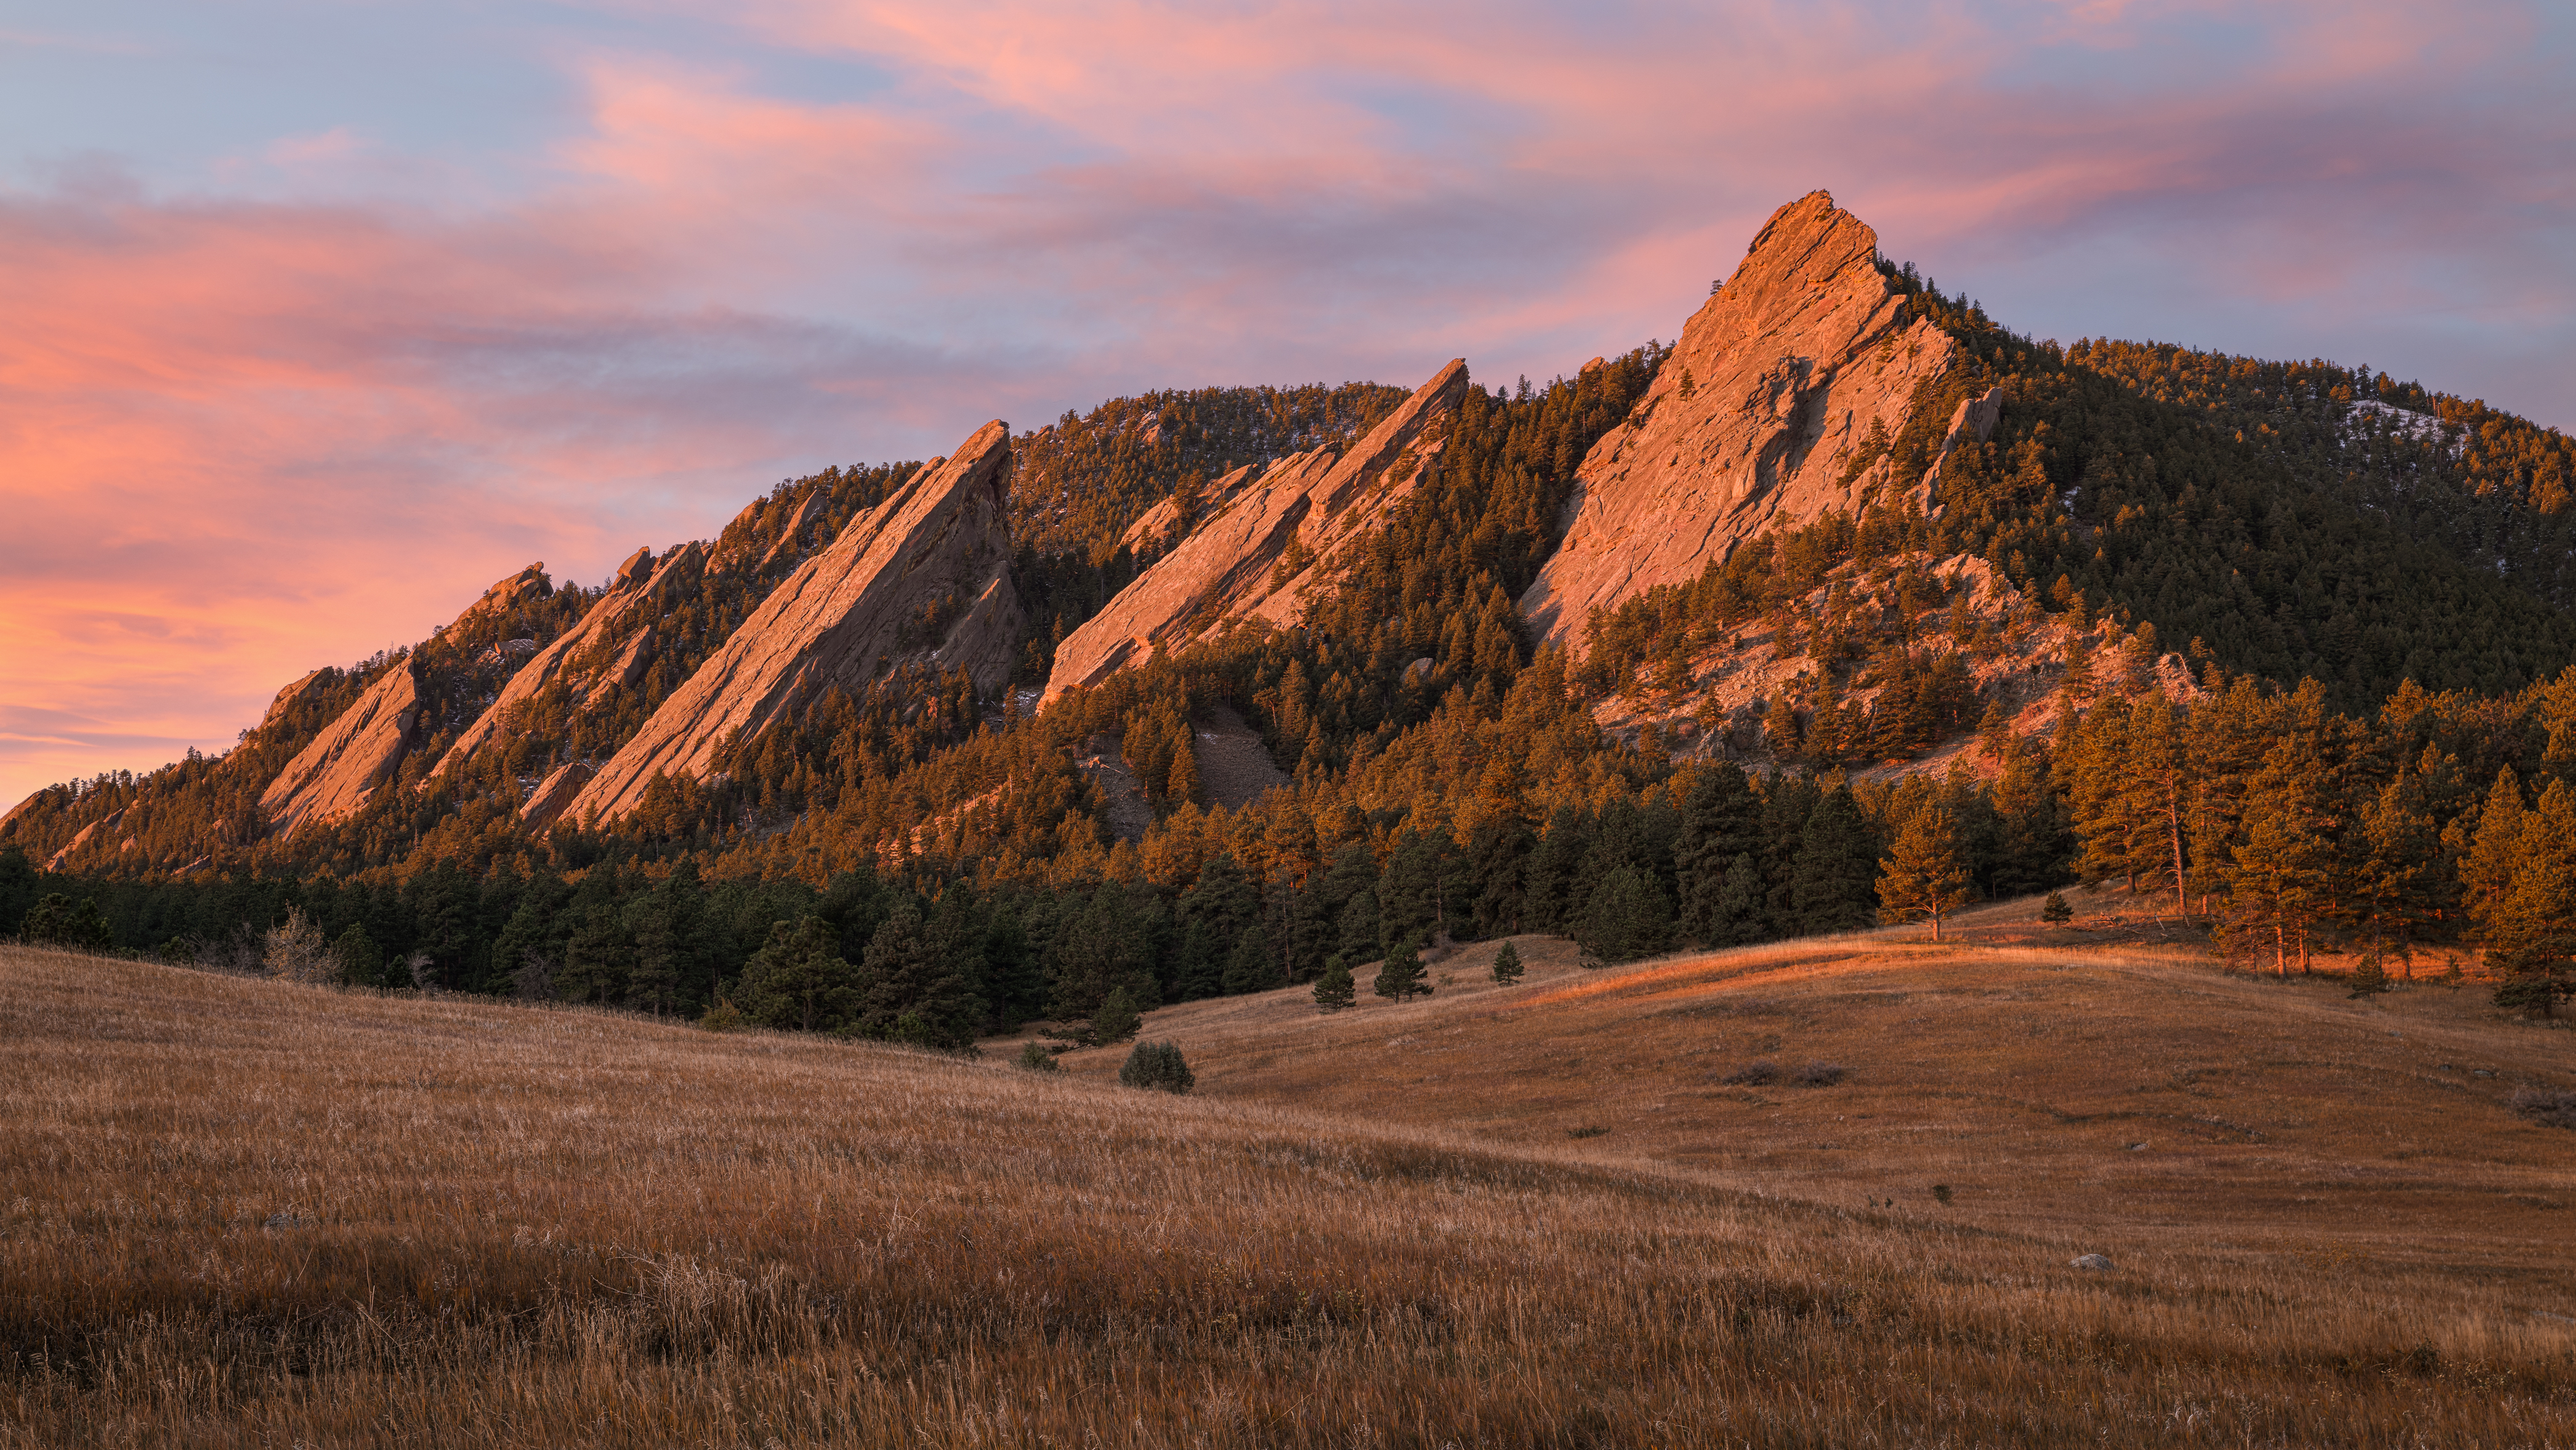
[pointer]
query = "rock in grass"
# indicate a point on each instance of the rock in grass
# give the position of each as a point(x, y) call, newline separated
point(2088, 1261)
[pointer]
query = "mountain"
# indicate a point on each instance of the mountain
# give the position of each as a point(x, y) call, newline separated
point(1194, 691)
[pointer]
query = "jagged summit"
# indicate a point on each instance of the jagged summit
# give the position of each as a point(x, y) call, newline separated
point(923, 578)
point(1272, 529)
point(1777, 383)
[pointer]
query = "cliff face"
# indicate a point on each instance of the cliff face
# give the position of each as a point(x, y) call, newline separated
point(921, 579)
point(334, 774)
point(1268, 532)
point(610, 649)
point(1755, 418)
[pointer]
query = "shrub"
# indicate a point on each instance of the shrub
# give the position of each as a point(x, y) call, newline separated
point(297, 951)
point(1038, 1059)
point(2055, 911)
point(1507, 965)
point(1819, 1074)
point(63, 922)
point(1753, 1074)
point(2370, 978)
point(1157, 1065)
point(2552, 1106)
point(723, 1016)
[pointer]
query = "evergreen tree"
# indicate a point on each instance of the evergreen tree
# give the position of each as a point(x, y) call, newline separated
point(919, 987)
point(361, 964)
point(1787, 802)
point(1359, 934)
point(1496, 852)
point(1834, 885)
point(2532, 932)
point(1409, 891)
point(1556, 865)
point(1738, 918)
point(1334, 990)
point(798, 978)
point(1926, 874)
point(1507, 965)
point(1627, 918)
point(1116, 1019)
point(1721, 823)
point(1400, 976)
point(1249, 967)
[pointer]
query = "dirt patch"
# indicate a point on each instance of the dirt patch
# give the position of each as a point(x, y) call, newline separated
point(1235, 768)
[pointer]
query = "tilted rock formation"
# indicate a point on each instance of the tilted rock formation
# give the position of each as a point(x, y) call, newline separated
point(1755, 418)
point(559, 789)
point(1270, 530)
point(334, 774)
point(608, 650)
point(924, 578)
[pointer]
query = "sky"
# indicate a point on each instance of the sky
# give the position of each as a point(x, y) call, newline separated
point(317, 318)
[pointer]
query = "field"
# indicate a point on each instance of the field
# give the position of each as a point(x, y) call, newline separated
point(244, 1212)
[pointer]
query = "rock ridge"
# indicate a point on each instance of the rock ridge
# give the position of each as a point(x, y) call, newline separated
point(1270, 532)
point(336, 771)
point(923, 578)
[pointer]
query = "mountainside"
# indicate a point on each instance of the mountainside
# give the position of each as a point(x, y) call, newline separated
point(921, 580)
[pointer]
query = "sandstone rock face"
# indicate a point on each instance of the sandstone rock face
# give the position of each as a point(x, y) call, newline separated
point(921, 579)
point(1754, 419)
point(606, 649)
point(333, 775)
point(558, 790)
point(107, 822)
point(1269, 533)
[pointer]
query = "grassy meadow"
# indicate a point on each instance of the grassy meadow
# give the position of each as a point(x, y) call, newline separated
point(242, 1212)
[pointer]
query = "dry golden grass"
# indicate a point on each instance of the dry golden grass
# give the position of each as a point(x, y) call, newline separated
point(242, 1212)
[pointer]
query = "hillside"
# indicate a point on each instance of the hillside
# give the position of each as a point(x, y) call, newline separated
point(246, 1212)
point(2122, 1093)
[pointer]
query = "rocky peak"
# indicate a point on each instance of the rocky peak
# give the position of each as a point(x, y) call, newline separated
point(923, 578)
point(1776, 384)
point(1266, 533)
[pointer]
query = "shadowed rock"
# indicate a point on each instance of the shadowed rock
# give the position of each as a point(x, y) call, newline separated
point(1271, 532)
point(921, 579)
point(1755, 418)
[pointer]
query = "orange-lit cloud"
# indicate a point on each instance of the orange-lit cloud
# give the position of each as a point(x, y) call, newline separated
point(306, 400)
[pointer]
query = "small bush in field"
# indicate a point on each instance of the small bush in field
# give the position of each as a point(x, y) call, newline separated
point(1819, 1074)
point(2055, 911)
point(1038, 1059)
point(722, 1017)
point(1157, 1065)
point(1753, 1074)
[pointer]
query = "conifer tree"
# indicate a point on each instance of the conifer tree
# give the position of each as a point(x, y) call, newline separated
point(1739, 918)
point(1926, 874)
point(1359, 939)
point(1116, 1020)
point(1721, 822)
point(1627, 917)
point(918, 990)
point(361, 964)
point(1834, 884)
point(1334, 990)
point(799, 979)
point(1400, 976)
point(1507, 965)
point(2532, 932)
